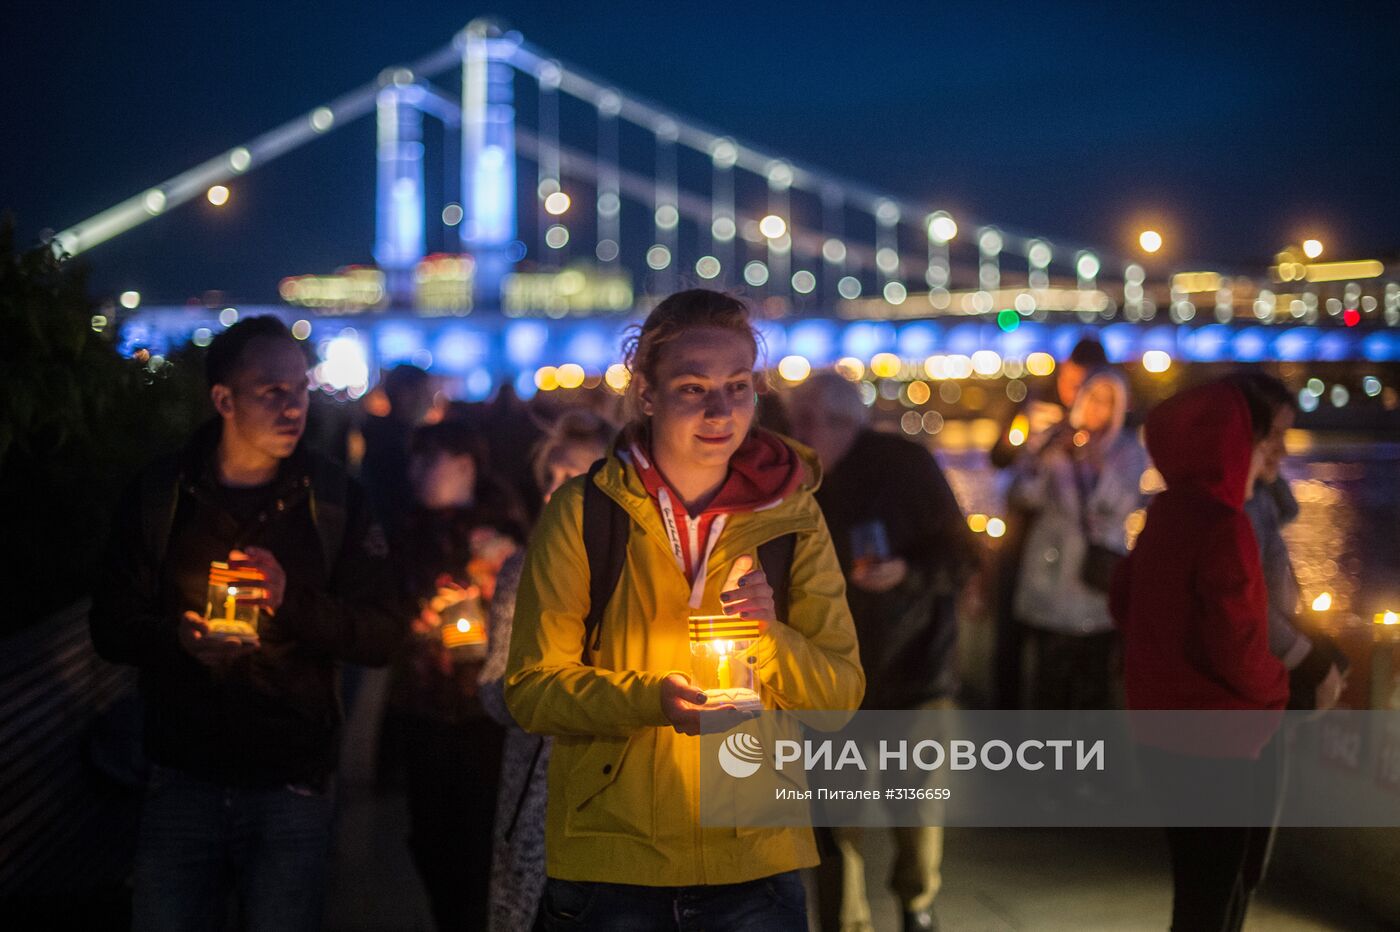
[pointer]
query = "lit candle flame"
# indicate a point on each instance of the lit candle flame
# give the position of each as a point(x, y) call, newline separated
point(1323, 602)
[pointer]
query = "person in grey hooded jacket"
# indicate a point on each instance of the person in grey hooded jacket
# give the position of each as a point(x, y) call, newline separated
point(1084, 482)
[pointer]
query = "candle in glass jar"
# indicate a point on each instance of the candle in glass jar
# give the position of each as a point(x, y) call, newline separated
point(229, 617)
point(718, 644)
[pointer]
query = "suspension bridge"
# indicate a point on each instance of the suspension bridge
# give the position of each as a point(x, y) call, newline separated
point(569, 224)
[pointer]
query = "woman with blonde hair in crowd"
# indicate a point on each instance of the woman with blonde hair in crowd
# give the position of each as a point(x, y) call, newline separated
point(701, 489)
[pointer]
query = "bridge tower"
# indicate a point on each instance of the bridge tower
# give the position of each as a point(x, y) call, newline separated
point(399, 198)
point(488, 227)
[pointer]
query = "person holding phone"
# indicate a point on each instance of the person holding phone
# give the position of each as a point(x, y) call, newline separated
point(906, 550)
point(1024, 431)
point(701, 489)
point(1082, 483)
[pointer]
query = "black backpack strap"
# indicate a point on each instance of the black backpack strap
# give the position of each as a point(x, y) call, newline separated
point(160, 495)
point(775, 558)
point(605, 531)
point(330, 486)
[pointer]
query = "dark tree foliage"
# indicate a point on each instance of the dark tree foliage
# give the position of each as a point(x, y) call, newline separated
point(77, 420)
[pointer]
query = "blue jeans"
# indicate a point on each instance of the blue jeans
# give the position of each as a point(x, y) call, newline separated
point(771, 904)
point(200, 841)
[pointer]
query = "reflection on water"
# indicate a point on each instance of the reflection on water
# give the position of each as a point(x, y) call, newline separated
point(1346, 540)
point(1317, 538)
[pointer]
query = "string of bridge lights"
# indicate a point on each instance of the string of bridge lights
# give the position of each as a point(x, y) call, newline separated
point(782, 268)
point(785, 249)
point(769, 250)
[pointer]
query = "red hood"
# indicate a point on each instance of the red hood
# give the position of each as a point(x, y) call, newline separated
point(762, 472)
point(1200, 439)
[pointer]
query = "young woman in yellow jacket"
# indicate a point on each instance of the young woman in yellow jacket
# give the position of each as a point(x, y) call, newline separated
point(703, 487)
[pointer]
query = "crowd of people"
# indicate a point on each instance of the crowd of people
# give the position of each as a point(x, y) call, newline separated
point(531, 587)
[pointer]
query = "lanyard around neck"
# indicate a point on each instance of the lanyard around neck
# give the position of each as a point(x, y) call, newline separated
point(700, 560)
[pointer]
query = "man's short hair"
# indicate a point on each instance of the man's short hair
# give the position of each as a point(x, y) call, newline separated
point(405, 383)
point(449, 438)
point(225, 355)
point(834, 394)
point(1089, 354)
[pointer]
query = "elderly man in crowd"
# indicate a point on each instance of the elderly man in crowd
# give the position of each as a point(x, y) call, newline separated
point(906, 550)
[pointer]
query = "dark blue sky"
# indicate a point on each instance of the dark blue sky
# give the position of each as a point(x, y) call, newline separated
point(1241, 125)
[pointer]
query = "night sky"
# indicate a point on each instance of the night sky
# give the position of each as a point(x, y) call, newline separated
point(1235, 127)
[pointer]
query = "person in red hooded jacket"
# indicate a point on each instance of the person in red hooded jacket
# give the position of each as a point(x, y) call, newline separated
point(1192, 606)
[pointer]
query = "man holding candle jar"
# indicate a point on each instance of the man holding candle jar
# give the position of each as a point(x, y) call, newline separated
point(241, 726)
point(906, 551)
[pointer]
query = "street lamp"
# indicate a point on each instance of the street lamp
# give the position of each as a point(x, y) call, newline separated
point(1150, 241)
point(1312, 248)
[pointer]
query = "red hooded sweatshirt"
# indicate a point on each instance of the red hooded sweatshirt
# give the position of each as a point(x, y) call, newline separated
point(1190, 599)
point(762, 473)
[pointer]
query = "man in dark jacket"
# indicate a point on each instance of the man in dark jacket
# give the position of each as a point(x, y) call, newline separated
point(242, 732)
point(906, 550)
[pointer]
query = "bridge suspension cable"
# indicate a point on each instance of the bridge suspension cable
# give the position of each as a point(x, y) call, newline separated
point(259, 151)
point(487, 120)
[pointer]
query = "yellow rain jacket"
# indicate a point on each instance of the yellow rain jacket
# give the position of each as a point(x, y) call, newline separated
point(623, 784)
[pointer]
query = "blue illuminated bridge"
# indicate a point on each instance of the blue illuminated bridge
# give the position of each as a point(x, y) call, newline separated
point(571, 221)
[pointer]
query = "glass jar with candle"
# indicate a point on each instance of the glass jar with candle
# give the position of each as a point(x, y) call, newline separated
point(463, 630)
point(228, 615)
point(721, 663)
